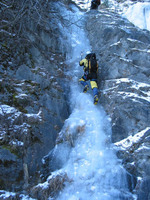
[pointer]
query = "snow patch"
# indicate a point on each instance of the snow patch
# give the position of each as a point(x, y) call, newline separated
point(5, 109)
point(33, 118)
point(131, 84)
point(17, 143)
point(11, 195)
point(83, 4)
point(115, 44)
point(139, 15)
point(21, 96)
point(134, 96)
point(129, 141)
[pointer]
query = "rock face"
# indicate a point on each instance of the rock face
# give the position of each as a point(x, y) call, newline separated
point(123, 52)
point(33, 101)
point(33, 97)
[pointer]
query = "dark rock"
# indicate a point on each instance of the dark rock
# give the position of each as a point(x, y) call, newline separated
point(24, 73)
point(31, 81)
point(144, 192)
point(132, 181)
point(11, 173)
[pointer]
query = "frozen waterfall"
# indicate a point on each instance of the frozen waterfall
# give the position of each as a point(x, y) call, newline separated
point(84, 151)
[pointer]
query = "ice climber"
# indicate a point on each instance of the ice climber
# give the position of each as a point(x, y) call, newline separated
point(90, 73)
point(95, 4)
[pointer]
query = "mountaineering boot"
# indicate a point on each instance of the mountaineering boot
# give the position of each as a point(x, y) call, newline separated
point(86, 88)
point(95, 99)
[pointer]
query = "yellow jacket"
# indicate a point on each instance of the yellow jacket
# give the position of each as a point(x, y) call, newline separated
point(84, 62)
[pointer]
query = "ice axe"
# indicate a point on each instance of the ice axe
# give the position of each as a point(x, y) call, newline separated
point(81, 54)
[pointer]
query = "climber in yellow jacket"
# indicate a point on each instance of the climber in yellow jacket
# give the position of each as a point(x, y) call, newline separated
point(90, 73)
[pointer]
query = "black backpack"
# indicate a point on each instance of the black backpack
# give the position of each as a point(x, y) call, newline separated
point(92, 62)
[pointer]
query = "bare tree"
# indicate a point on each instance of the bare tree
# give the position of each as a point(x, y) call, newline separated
point(17, 18)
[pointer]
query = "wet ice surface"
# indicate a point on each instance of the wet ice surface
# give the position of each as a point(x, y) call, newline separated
point(90, 164)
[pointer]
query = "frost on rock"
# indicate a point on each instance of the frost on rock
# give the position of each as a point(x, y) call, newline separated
point(13, 114)
point(127, 88)
point(15, 125)
point(135, 151)
point(130, 141)
point(71, 131)
point(34, 118)
point(10, 195)
point(50, 188)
